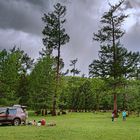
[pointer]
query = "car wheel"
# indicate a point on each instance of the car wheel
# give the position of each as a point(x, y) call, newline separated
point(16, 122)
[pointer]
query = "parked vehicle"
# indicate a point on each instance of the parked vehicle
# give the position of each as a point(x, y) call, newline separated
point(12, 115)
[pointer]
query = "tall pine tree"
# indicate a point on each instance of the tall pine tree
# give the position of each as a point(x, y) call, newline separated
point(54, 37)
point(109, 63)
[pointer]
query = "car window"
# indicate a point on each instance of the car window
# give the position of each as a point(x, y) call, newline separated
point(2, 111)
point(12, 111)
point(20, 110)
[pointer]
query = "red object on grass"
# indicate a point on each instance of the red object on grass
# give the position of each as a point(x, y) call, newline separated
point(43, 122)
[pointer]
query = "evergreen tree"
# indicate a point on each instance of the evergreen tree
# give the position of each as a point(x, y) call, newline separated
point(27, 64)
point(55, 37)
point(109, 63)
point(86, 100)
point(42, 84)
point(74, 70)
point(12, 66)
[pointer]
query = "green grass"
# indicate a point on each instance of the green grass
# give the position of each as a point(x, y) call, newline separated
point(76, 126)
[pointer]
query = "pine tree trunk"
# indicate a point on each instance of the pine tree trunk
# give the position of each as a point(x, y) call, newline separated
point(115, 105)
point(124, 101)
point(97, 102)
point(114, 59)
point(54, 106)
point(57, 72)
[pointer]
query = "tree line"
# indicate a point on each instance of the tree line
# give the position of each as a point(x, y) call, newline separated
point(113, 82)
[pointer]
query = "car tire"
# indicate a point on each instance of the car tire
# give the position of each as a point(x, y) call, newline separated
point(16, 122)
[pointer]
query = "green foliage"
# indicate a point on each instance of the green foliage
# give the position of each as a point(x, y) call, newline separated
point(12, 65)
point(133, 98)
point(82, 94)
point(42, 84)
point(126, 63)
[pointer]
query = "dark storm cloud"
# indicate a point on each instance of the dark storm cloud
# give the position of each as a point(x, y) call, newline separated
point(23, 15)
point(40, 3)
point(30, 43)
point(21, 25)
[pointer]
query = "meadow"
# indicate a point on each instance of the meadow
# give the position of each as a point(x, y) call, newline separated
point(76, 126)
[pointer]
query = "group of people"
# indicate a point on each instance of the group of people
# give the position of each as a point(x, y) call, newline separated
point(36, 123)
point(124, 114)
point(39, 123)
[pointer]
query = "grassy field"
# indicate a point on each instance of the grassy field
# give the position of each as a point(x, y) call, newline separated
point(76, 126)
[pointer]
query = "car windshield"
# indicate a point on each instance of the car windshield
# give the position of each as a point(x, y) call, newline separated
point(2, 110)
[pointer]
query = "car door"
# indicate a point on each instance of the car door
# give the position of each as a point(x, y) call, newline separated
point(3, 115)
point(11, 114)
point(21, 114)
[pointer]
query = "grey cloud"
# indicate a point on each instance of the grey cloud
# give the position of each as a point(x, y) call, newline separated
point(40, 3)
point(23, 15)
point(131, 39)
point(30, 43)
point(134, 3)
point(81, 17)
point(21, 25)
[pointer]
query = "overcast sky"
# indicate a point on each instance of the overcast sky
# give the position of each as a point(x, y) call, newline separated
point(21, 25)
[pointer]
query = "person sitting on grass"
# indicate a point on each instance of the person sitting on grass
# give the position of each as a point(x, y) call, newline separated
point(34, 122)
